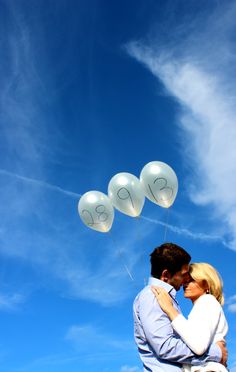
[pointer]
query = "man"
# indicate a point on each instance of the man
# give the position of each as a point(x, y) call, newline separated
point(160, 349)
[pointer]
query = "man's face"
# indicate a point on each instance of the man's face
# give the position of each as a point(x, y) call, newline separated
point(180, 278)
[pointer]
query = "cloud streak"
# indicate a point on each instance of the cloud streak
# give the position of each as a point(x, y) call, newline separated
point(186, 232)
point(40, 183)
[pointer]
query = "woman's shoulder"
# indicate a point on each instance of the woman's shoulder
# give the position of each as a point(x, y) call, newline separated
point(208, 299)
point(206, 306)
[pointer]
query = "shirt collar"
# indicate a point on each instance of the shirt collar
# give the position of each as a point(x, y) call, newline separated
point(160, 283)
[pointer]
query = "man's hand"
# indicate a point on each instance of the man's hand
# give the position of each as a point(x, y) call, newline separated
point(224, 351)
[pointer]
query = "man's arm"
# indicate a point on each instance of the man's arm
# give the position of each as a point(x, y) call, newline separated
point(224, 351)
point(165, 343)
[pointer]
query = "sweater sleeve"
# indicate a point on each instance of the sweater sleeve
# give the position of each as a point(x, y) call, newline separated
point(199, 329)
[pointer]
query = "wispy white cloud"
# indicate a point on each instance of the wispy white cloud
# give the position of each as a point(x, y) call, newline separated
point(42, 235)
point(231, 304)
point(11, 301)
point(73, 359)
point(232, 308)
point(23, 130)
point(48, 361)
point(35, 226)
point(107, 282)
point(203, 86)
point(65, 250)
point(88, 337)
point(130, 369)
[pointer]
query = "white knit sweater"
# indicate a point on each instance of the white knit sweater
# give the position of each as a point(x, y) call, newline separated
point(206, 324)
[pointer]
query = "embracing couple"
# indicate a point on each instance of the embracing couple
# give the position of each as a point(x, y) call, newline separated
point(165, 339)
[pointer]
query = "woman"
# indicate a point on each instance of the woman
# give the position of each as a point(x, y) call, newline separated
point(206, 322)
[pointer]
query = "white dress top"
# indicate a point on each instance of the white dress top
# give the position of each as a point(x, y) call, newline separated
point(206, 324)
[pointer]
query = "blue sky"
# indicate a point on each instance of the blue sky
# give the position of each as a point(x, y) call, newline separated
point(90, 89)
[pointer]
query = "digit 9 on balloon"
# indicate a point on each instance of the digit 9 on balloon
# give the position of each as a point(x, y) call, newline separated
point(126, 194)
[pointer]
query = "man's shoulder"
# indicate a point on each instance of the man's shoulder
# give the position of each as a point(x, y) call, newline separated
point(146, 290)
point(143, 294)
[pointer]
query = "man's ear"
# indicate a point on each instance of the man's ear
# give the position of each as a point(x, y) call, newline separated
point(165, 275)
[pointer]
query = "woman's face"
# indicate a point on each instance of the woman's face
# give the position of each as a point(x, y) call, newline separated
point(194, 289)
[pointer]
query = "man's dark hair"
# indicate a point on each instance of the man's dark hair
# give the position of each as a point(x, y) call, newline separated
point(168, 256)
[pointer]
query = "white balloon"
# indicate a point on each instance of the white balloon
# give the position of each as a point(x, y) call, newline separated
point(160, 183)
point(126, 194)
point(96, 211)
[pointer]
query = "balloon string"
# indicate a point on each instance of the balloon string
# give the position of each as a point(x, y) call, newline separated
point(138, 231)
point(166, 224)
point(121, 257)
point(139, 237)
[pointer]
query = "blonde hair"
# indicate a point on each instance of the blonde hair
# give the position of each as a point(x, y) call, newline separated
point(209, 275)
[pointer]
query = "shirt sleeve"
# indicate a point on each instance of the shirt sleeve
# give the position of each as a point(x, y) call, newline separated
point(164, 341)
point(199, 329)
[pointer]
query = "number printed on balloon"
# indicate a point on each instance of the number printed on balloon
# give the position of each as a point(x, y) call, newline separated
point(99, 214)
point(161, 189)
point(96, 211)
point(87, 215)
point(124, 194)
point(160, 183)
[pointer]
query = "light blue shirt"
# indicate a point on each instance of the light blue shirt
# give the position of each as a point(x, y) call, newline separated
point(160, 348)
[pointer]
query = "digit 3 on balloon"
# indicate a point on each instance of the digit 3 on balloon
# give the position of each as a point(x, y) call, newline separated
point(160, 183)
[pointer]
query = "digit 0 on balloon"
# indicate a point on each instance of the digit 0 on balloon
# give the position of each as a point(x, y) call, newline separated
point(96, 211)
point(160, 183)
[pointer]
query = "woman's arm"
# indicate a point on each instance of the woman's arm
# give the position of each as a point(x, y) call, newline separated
point(199, 329)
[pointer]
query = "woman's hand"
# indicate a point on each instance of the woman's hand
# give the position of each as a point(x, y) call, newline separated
point(162, 296)
point(165, 301)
